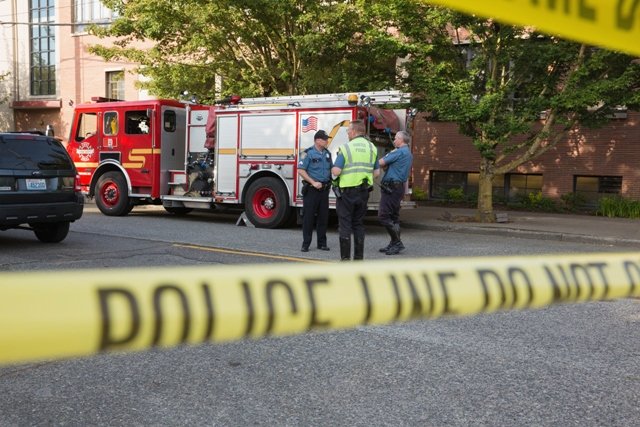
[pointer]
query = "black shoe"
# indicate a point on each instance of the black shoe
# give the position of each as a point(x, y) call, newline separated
point(386, 248)
point(395, 249)
point(324, 248)
point(304, 248)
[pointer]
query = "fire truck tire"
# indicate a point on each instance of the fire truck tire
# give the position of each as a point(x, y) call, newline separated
point(267, 204)
point(112, 196)
point(174, 210)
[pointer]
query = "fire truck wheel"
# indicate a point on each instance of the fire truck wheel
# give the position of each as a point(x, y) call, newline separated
point(266, 203)
point(112, 197)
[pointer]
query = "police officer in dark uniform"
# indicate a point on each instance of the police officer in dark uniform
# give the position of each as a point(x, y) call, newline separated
point(397, 165)
point(315, 169)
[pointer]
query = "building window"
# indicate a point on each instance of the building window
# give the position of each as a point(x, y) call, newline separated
point(594, 187)
point(42, 60)
point(115, 85)
point(442, 182)
point(90, 12)
point(520, 185)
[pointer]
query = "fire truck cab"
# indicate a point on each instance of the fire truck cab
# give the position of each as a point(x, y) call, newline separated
point(156, 151)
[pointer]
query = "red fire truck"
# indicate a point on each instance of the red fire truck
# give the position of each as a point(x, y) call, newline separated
point(157, 151)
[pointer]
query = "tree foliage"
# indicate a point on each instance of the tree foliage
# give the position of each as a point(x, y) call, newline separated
point(514, 91)
point(256, 47)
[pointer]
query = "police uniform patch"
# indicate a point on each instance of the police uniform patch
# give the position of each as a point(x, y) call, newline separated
point(303, 155)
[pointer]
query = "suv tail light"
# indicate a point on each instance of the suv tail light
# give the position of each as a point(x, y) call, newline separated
point(71, 182)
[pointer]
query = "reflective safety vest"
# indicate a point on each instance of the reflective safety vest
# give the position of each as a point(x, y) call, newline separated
point(359, 159)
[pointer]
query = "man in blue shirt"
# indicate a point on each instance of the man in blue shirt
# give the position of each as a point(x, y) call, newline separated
point(315, 169)
point(397, 165)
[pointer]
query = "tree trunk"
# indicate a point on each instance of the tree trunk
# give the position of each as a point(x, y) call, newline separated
point(485, 192)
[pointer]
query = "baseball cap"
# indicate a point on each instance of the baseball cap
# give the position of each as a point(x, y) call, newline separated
point(321, 134)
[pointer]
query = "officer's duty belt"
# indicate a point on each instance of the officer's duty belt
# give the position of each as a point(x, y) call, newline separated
point(361, 187)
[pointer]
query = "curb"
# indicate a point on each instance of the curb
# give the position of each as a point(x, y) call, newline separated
point(524, 234)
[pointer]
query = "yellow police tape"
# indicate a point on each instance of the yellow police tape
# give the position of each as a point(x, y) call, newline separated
point(614, 24)
point(72, 313)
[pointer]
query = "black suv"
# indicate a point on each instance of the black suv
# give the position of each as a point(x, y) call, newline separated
point(39, 188)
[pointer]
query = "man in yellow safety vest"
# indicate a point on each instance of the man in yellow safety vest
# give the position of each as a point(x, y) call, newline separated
point(355, 167)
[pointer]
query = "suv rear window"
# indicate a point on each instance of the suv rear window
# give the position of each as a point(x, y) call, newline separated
point(29, 152)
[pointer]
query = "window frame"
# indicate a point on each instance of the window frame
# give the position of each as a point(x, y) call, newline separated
point(468, 188)
point(117, 83)
point(592, 197)
point(42, 48)
point(513, 195)
point(88, 12)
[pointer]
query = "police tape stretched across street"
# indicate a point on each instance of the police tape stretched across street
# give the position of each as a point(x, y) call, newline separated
point(58, 314)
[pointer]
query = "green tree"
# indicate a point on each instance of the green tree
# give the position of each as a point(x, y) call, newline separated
point(514, 91)
point(256, 47)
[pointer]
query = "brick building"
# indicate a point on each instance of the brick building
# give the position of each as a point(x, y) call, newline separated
point(44, 53)
point(590, 162)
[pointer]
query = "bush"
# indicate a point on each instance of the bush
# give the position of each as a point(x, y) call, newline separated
point(455, 195)
point(574, 202)
point(471, 198)
point(537, 202)
point(618, 207)
point(418, 194)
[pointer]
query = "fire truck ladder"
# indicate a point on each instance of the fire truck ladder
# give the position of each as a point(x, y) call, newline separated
point(331, 99)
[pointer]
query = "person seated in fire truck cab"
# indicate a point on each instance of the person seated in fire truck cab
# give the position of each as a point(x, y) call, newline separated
point(143, 126)
point(110, 124)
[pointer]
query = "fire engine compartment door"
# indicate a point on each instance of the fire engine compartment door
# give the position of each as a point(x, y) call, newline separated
point(268, 136)
point(227, 154)
point(172, 130)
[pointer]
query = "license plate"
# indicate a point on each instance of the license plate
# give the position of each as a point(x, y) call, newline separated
point(36, 184)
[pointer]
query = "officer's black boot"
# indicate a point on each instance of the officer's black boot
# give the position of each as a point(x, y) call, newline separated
point(392, 234)
point(396, 244)
point(385, 249)
point(358, 250)
point(345, 249)
point(396, 227)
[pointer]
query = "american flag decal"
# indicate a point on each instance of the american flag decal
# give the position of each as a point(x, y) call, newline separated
point(310, 124)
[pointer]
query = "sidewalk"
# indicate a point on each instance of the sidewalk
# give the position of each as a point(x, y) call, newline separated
point(564, 227)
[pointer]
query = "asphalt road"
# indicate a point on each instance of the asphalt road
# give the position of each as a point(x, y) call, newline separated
point(571, 365)
point(149, 237)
